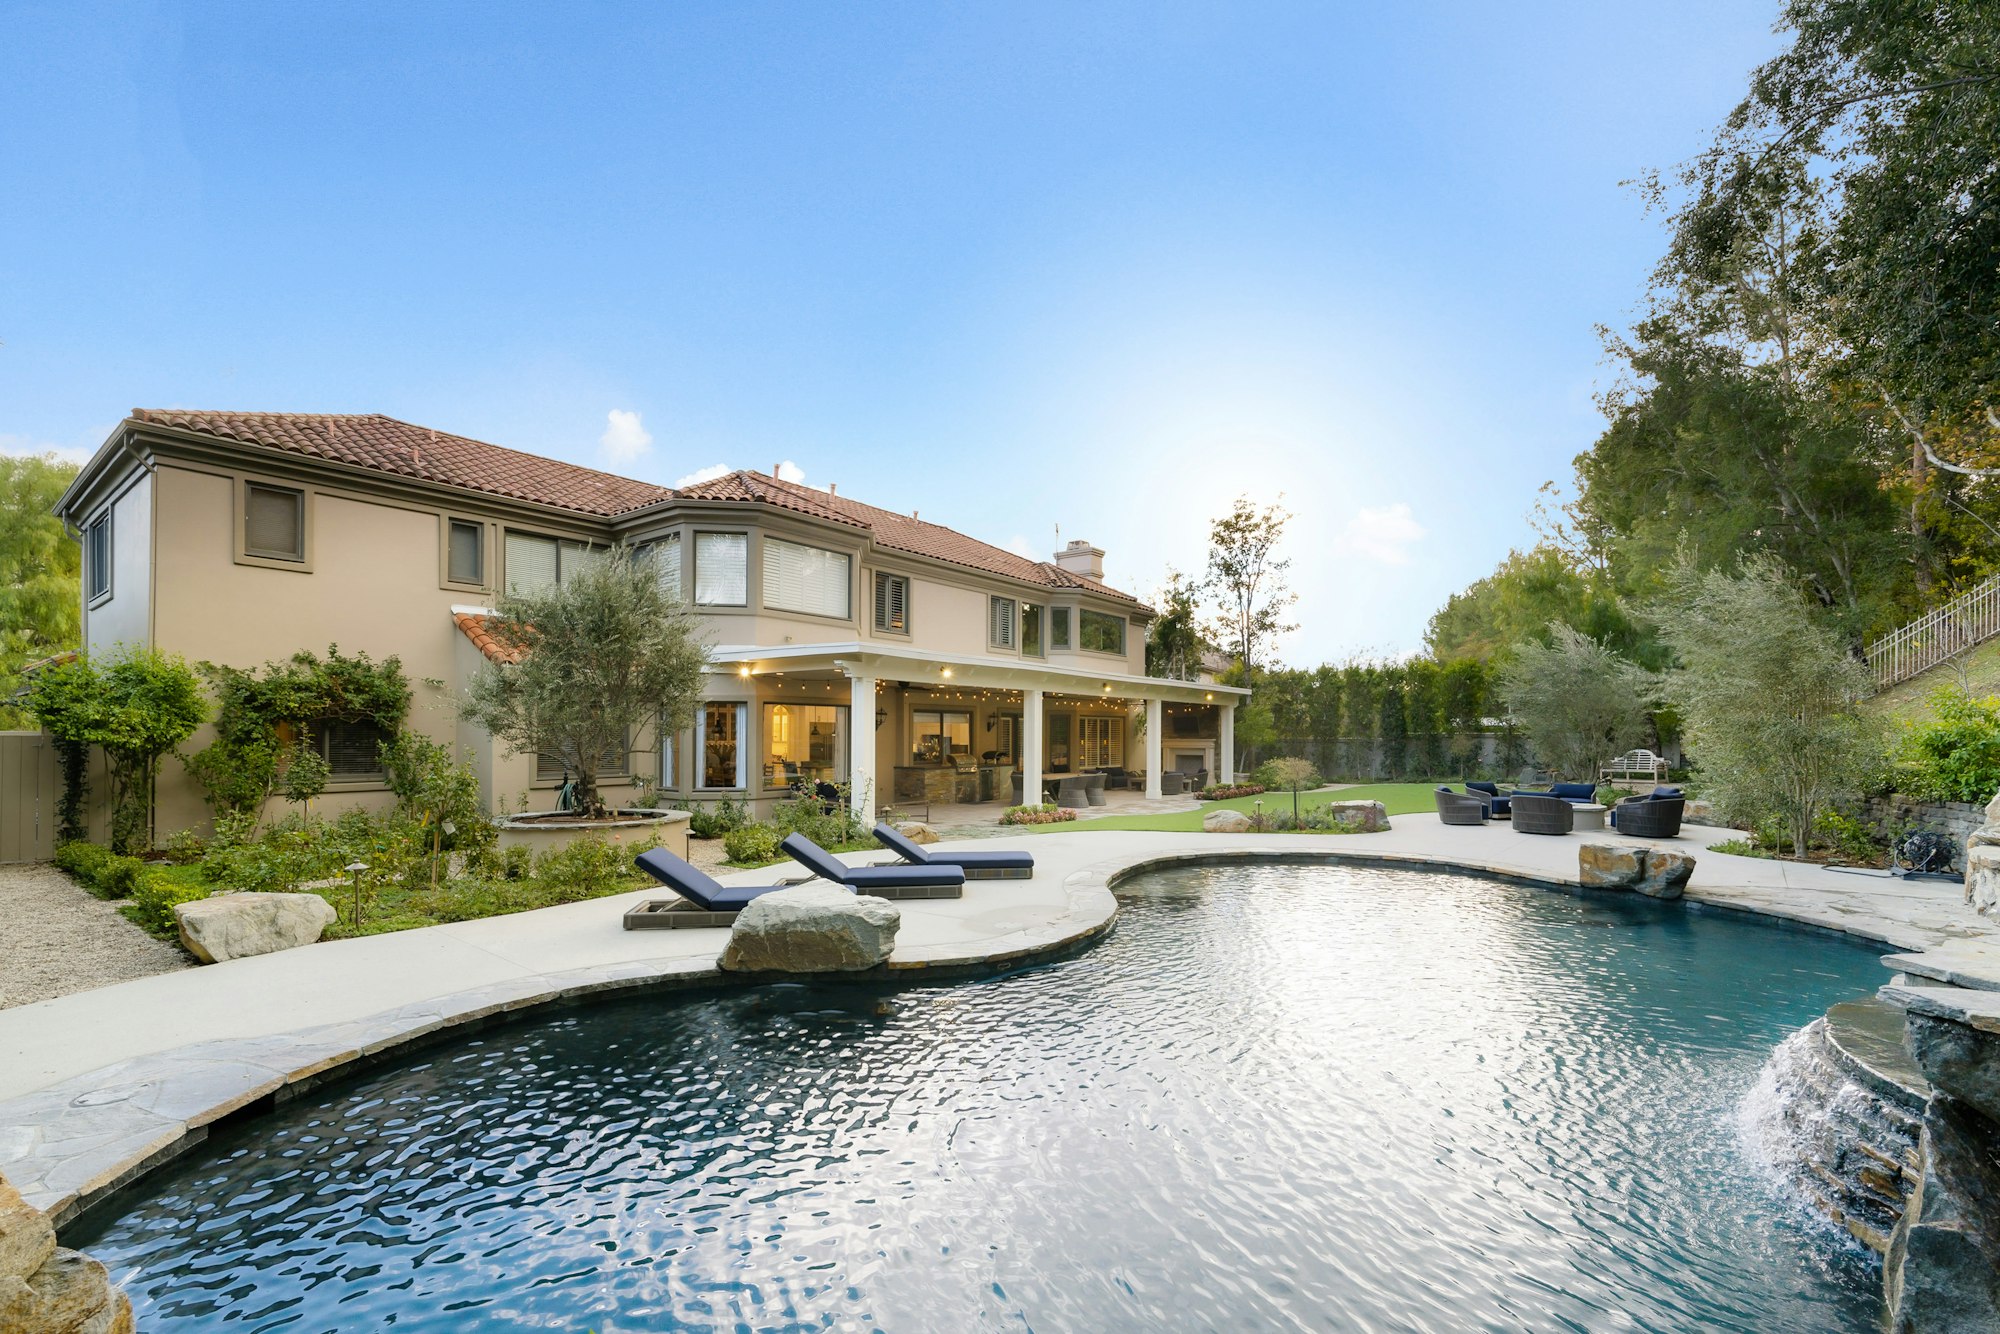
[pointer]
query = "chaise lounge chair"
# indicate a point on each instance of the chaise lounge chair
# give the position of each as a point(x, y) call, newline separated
point(934, 880)
point(976, 865)
point(703, 902)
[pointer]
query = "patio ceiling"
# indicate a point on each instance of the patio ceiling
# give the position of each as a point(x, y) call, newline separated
point(888, 663)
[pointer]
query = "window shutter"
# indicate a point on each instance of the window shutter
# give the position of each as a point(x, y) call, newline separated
point(531, 563)
point(272, 520)
point(721, 569)
point(892, 603)
point(1001, 631)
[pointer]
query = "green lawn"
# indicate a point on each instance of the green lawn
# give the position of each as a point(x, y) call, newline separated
point(1397, 798)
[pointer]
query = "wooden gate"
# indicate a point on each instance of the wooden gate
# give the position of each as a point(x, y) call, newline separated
point(29, 786)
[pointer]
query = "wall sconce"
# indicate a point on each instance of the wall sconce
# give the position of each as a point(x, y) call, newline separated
point(881, 716)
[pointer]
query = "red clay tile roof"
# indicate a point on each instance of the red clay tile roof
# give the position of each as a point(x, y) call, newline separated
point(383, 444)
point(479, 629)
point(895, 532)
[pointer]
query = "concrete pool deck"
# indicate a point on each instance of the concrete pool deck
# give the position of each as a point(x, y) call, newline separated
point(98, 1086)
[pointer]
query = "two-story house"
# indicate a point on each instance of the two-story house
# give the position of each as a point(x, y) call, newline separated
point(849, 642)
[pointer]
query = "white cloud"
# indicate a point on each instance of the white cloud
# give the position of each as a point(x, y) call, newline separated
point(21, 446)
point(1384, 534)
point(708, 474)
point(624, 439)
point(789, 471)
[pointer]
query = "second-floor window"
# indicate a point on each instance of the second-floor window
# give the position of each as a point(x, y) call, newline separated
point(892, 603)
point(721, 569)
point(1000, 622)
point(466, 558)
point(1031, 630)
point(803, 578)
point(666, 557)
point(1059, 627)
point(1101, 632)
point(97, 557)
point(536, 564)
point(274, 522)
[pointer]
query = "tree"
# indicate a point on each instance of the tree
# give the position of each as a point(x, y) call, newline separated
point(136, 706)
point(1249, 582)
point(595, 658)
point(1292, 773)
point(1520, 600)
point(1174, 642)
point(1767, 693)
point(1582, 704)
point(40, 590)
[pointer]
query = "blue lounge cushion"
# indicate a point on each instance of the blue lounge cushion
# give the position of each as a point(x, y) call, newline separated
point(1575, 793)
point(1664, 794)
point(824, 865)
point(917, 855)
point(696, 885)
point(1502, 805)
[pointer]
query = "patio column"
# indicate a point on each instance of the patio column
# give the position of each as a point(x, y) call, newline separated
point(1031, 747)
point(1153, 752)
point(1225, 758)
point(861, 747)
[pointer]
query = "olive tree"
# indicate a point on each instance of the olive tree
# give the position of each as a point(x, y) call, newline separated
point(591, 660)
point(1767, 693)
point(1581, 704)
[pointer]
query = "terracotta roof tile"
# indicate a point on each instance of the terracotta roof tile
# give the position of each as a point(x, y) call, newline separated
point(383, 444)
point(479, 629)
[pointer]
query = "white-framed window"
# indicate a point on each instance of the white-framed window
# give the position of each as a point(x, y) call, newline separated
point(1031, 631)
point(722, 569)
point(808, 579)
point(1059, 627)
point(804, 743)
point(666, 557)
point(97, 558)
point(670, 759)
point(892, 603)
point(274, 522)
point(1101, 632)
point(465, 552)
point(723, 753)
point(1000, 627)
point(1100, 743)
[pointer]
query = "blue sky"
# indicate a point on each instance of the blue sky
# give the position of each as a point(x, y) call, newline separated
point(1017, 265)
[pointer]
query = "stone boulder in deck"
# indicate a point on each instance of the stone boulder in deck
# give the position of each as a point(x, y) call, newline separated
point(236, 926)
point(812, 929)
point(1225, 822)
point(1655, 872)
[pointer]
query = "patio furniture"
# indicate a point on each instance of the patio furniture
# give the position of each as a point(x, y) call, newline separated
point(1578, 793)
point(1093, 789)
point(1173, 782)
point(1588, 817)
point(905, 810)
point(1018, 784)
point(1072, 793)
point(1500, 804)
point(885, 882)
point(702, 902)
point(1461, 807)
point(1650, 816)
point(1117, 778)
point(1634, 764)
point(1199, 781)
point(1541, 813)
point(976, 865)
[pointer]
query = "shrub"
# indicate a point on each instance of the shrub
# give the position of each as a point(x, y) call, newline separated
point(1221, 793)
point(1848, 837)
point(583, 870)
point(185, 847)
point(752, 845)
point(1287, 773)
point(1043, 814)
point(119, 877)
point(135, 705)
point(83, 861)
point(1955, 756)
point(717, 820)
point(153, 900)
point(516, 863)
point(829, 829)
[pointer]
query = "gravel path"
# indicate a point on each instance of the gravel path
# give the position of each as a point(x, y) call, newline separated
point(55, 938)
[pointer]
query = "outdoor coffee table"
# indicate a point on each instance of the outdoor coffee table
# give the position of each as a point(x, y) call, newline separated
point(1588, 817)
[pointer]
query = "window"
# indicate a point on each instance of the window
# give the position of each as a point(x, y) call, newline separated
point(97, 557)
point(465, 553)
point(1000, 622)
point(1100, 743)
point(352, 751)
point(536, 564)
point(892, 603)
point(670, 759)
point(1031, 630)
point(1101, 632)
point(938, 736)
point(807, 579)
point(274, 522)
point(666, 557)
point(802, 744)
point(615, 762)
point(721, 569)
point(722, 750)
point(1058, 627)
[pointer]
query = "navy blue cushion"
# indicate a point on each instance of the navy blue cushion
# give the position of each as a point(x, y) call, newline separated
point(696, 885)
point(1574, 792)
point(1664, 794)
point(1490, 789)
point(917, 854)
point(823, 864)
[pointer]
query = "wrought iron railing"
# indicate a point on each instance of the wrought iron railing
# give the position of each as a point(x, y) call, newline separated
point(1969, 619)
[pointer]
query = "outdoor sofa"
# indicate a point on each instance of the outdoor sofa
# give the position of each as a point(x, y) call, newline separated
point(1577, 794)
point(1462, 807)
point(1655, 814)
point(933, 880)
point(706, 902)
point(1543, 813)
point(976, 865)
point(1499, 804)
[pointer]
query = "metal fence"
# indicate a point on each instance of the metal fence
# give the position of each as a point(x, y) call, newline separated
point(1970, 619)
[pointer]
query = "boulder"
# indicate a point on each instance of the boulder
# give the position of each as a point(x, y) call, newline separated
point(1610, 865)
point(817, 928)
point(916, 831)
point(1359, 817)
point(1942, 1271)
point(1958, 1059)
point(236, 926)
point(70, 1294)
point(1667, 874)
point(1225, 822)
point(27, 1239)
point(1982, 871)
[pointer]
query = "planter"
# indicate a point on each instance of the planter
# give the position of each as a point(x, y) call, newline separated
point(546, 831)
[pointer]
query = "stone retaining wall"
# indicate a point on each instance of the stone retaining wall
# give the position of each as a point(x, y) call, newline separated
point(1957, 818)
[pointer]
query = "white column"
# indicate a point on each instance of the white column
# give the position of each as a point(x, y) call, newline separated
point(1153, 727)
point(861, 781)
point(1225, 761)
point(1031, 747)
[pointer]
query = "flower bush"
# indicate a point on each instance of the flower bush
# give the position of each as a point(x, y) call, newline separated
point(1047, 813)
point(1224, 792)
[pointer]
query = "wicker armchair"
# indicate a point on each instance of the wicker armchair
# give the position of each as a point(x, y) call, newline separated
point(1649, 817)
point(1461, 807)
point(1538, 814)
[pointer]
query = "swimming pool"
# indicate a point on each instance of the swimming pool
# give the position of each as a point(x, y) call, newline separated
point(1276, 1096)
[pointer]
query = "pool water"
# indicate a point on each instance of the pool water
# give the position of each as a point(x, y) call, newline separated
point(1276, 1097)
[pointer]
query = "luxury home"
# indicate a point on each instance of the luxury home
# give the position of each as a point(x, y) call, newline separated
point(850, 643)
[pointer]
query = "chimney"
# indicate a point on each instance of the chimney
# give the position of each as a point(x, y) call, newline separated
point(1079, 557)
point(833, 488)
point(774, 469)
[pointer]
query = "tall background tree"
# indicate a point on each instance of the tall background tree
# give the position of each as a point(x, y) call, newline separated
point(1174, 642)
point(1249, 583)
point(40, 594)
